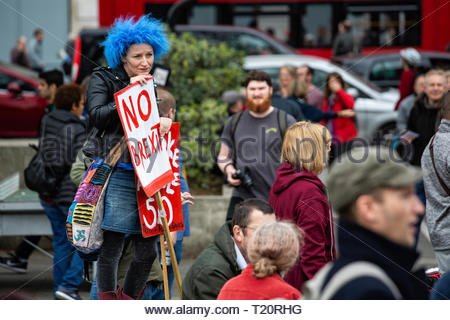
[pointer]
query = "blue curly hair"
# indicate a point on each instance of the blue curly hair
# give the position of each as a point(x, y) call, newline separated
point(125, 32)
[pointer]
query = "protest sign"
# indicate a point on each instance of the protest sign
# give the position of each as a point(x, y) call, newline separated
point(170, 195)
point(139, 115)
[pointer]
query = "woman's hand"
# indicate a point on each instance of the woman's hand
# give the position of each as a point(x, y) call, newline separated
point(347, 113)
point(186, 198)
point(164, 125)
point(142, 79)
point(334, 85)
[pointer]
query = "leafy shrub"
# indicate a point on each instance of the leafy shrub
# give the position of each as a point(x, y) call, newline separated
point(201, 72)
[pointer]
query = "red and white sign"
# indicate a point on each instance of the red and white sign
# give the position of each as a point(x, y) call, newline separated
point(171, 194)
point(139, 115)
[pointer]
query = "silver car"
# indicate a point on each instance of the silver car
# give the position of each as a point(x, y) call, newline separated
point(374, 108)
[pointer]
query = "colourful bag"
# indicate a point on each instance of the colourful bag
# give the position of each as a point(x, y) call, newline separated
point(84, 220)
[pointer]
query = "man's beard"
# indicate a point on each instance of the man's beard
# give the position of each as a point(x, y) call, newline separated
point(258, 107)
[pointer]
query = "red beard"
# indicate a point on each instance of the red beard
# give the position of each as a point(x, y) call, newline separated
point(258, 107)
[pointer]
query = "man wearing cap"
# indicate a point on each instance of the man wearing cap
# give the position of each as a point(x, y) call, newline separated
point(378, 208)
point(234, 100)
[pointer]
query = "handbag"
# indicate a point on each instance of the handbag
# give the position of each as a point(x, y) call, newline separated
point(38, 176)
point(85, 216)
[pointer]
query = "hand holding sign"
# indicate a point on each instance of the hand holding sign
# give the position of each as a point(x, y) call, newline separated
point(139, 115)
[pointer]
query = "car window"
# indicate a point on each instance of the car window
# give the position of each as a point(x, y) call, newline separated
point(251, 45)
point(319, 79)
point(440, 63)
point(4, 80)
point(386, 70)
point(7, 79)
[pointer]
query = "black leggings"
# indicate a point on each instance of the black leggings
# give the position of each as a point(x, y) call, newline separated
point(139, 269)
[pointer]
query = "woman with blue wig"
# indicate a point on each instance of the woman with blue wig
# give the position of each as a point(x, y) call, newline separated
point(130, 49)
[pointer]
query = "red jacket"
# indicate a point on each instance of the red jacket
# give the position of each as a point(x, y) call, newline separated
point(300, 196)
point(345, 129)
point(406, 85)
point(247, 287)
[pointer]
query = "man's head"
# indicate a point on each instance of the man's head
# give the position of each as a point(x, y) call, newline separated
point(435, 85)
point(258, 91)
point(38, 34)
point(69, 97)
point(49, 81)
point(235, 101)
point(419, 84)
point(247, 217)
point(305, 73)
point(371, 187)
point(166, 103)
point(21, 43)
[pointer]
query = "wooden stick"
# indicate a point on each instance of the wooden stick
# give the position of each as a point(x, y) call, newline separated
point(173, 258)
point(164, 267)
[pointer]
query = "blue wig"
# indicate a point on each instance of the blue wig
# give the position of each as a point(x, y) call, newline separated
point(125, 33)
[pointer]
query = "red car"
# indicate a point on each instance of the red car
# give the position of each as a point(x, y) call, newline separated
point(21, 106)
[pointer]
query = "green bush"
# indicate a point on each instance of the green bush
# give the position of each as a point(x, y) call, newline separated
point(201, 72)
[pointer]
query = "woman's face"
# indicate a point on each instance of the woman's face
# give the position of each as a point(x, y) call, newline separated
point(138, 60)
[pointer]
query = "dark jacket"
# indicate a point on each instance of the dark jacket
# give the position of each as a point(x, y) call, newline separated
point(101, 107)
point(312, 113)
point(287, 106)
point(300, 196)
point(359, 244)
point(425, 122)
point(63, 136)
point(213, 268)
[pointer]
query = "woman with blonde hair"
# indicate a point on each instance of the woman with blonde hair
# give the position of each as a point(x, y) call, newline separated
point(298, 195)
point(272, 250)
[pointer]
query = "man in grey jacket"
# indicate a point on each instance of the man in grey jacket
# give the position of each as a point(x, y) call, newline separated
point(438, 199)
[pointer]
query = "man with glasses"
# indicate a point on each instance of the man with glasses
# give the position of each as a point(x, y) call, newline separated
point(226, 256)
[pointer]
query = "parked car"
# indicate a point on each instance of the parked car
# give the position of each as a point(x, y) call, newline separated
point(374, 108)
point(21, 106)
point(88, 54)
point(384, 69)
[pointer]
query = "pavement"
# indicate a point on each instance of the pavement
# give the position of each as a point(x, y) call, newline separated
point(37, 283)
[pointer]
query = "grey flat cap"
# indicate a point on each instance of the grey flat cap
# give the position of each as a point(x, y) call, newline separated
point(362, 170)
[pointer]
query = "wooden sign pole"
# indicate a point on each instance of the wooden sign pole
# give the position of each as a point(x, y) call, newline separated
point(173, 258)
point(164, 267)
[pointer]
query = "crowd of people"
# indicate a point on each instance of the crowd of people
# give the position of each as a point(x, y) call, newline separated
point(278, 238)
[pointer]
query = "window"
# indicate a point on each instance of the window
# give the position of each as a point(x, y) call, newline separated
point(4, 80)
point(389, 25)
point(386, 70)
point(251, 45)
point(320, 77)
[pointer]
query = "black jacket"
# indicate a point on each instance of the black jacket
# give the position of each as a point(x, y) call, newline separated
point(101, 107)
point(425, 122)
point(63, 136)
point(359, 244)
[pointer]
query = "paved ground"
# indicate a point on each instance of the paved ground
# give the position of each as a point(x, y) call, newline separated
point(37, 282)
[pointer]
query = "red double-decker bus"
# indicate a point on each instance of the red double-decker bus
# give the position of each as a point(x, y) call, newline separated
point(309, 26)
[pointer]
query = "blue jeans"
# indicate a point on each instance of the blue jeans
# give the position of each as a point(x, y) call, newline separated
point(67, 264)
point(153, 293)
